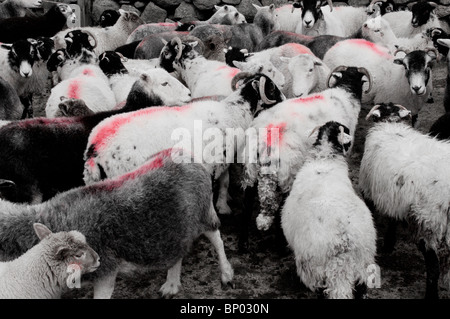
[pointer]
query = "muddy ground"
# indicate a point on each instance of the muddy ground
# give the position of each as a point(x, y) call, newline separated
point(265, 273)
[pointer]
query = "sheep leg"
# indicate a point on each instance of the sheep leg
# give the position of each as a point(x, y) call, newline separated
point(221, 204)
point(249, 201)
point(173, 283)
point(26, 102)
point(432, 267)
point(104, 286)
point(360, 291)
point(227, 272)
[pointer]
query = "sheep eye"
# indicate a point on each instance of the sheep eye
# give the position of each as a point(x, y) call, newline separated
point(165, 83)
point(376, 30)
point(80, 254)
point(310, 70)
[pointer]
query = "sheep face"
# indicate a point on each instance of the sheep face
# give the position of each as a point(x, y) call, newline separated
point(169, 89)
point(418, 65)
point(311, 11)
point(76, 40)
point(373, 28)
point(45, 47)
point(69, 248)
point(389, 112)
point(129, 20)
point(382, 7)
point(351, 78)
point(305, 73)
point(73, 107)
point(421, 13)
point(111, 63)
point(108, 18)
point(265, 67)
point(334, 138)
point(21, 57)
point(171, 54)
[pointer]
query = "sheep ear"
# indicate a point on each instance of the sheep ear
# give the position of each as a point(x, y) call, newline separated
point(285, 59)
point(256, 6)
point(164, 41)
point(41, 230)
point(145, 77)
point(62, 98)
point(376, 113)
point(398, 61)
point(444, 42)
point(193, 44)
point(6, 46)
point(238, 64)
point(272, 7)
point(318, 62)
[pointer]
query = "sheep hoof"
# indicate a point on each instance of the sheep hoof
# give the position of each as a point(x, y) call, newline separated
point(168, 290)
point(230, 284)
point(264, 222)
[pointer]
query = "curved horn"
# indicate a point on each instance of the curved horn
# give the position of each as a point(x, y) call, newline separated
point(401, 49)
point(373, 109)
point(401, 106)
point(330, 3)
point(314, 130)
point(178, 42)
point(337, 69)
point(237, 77)
point(6, 183)
point(436, 52)
point(122, 57)
point(262, 93)
point(93, 37)
point(366, 73)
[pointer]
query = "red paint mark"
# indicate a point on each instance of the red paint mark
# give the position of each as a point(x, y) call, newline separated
point(301, 49)
point(88, 72)
point(167, 24)
point(281, 127)
point(231, 71)
point(155, 162)
point(120, 105)
point(39, 121)
point(112, 126)
point(74, 89)
point(370, 45)
point(309, 99)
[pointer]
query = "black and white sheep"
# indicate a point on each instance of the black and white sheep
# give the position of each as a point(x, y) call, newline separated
point(402, 173)
point(108, 18)
point(46, 25)
point(326, 224)
point(45, 271)
point(149, 217)
point(57, 146)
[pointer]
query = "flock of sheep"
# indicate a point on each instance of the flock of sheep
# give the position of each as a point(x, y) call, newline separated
point(103, 171)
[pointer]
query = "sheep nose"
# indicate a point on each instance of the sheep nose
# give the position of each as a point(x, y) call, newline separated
point(308, 22)
point(365, 25)
point(416, 88)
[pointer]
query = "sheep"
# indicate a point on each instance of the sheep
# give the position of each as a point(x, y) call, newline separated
point(58, 144)
point(90, 85)
point(121, 80)
point(381, 7)
point(24, 67)
point(108, 18)
point(105, 158)
point(326, 224)
point(10, 106)
point(147, 29)
point(408, 23)
point(411, 74)
point(195, 70)
point(402, 173)
point(149, 217)
point(446, 43)
point(42, 272)
point(46, 25)
point(293, 119)
point(378, 30)
point(17, 8)
point(287, 18)
point(109, 38)
point(263, 67)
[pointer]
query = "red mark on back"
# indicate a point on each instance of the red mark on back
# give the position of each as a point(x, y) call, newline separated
point(300, 49)
point(309, 99)
point(73, 91)
point(231, 71)
point(39, 121)
point(370, 45)
point(88, 72)
point(281, 127)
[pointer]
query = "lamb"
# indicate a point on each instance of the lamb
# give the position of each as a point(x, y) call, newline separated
point(17, 8)
point(46, 25)
point(293, 119)
point(118, 138)
point(195, 70)
point(411, 74)
point(58, 144)
point(149, 217)
point(109, 38)
point(402, 173)
point(408, 23)
point(326, 224)
point(42, 271)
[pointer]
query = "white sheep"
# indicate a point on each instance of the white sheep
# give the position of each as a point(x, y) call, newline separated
point(49, 268)
point(406, 80)
point(326, 224)
point(294, 119)
point(287, 18)
point(108, 38)
point(264, 67)
point(403, 172)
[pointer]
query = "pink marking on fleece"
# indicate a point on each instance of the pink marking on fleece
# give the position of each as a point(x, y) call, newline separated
point(88, 72)
point(299, 48)
point(281, 127)
point(370, 45)
point(309, 99)
point(100, 139)
point(231, 71)
point(155, 162)
point(73, 91)
point(38, 121)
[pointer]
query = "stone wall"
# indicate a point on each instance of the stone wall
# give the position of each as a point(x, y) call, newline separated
point(189, 10)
